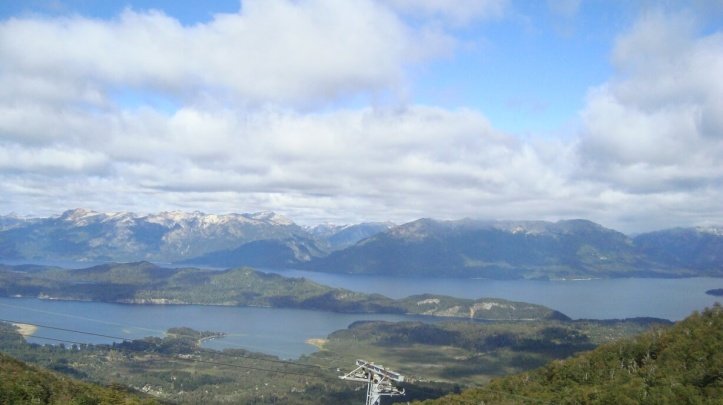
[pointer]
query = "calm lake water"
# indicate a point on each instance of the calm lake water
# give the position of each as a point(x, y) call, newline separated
point(283, 332)
point(276, 331)
point(672, 299)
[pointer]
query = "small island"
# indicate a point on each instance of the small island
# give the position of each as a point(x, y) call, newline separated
point(717, 292)
point(198, 336)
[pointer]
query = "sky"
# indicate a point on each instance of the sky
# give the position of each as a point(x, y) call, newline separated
point(366, 110)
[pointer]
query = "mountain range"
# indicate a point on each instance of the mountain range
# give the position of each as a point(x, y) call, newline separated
point(425, 247)
point(529, 249)
point(84, 235)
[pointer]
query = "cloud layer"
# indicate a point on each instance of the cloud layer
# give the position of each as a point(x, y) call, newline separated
point(655, 130)
point(256, 122)
point(271, 51)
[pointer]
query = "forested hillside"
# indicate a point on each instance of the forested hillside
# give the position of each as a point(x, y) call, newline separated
point(679, 365)
point(24, 384)
point(437, 359)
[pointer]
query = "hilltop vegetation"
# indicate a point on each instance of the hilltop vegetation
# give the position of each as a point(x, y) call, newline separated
point(146, 283)
point(471, 352)
point(679, 365)
point(24, 384)
point(177, 370)
point(437, 358)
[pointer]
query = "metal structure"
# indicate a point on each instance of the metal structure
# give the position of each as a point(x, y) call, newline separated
point(379, 380)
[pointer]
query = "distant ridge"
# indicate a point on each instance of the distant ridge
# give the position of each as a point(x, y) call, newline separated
point(565, 249)
point(527, 249)
point(267, 253)
point(87, 235)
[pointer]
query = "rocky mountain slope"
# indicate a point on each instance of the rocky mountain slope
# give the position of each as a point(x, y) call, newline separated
point(426, 247)
point(699, 248)
point(267, 253)
point(509, 249)
point(342, 236)
point(86, 235)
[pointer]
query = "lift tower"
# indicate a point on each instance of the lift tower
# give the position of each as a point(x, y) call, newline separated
point(379, 380)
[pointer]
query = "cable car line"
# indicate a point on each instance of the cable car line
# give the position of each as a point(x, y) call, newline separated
point(131, 341)
point(237, 366)
point(171, 357)
point(67, 330)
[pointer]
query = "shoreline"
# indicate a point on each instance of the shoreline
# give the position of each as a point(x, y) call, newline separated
point(317, 342)
point(25, 329)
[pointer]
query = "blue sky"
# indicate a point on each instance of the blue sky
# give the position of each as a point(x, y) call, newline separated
point(528, 71)
point(365, 110)
point(492, 65)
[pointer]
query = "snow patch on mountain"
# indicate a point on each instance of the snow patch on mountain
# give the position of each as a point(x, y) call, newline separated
point(710, 230)
point(271, 217)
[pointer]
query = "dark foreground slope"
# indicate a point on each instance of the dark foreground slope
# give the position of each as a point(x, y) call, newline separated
point(24, 384)
point(680, 365)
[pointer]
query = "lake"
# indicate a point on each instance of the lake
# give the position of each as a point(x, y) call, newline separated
point(277, 331)
point(283, 332)
point(672, 299)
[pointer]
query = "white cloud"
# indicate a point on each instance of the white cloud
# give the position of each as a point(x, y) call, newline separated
point(271, 51)
point(362, 163)
point(653, 133)
point(247, 136)
point(52, 161)
point(657, 125)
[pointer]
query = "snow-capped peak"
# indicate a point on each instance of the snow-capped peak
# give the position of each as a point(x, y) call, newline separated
point(324, 229)
point(79, 215)
point(711, 229)
point(169, 218)
point(272, 217)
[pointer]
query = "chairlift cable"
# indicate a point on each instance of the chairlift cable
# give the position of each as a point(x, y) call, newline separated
point(131, 340)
